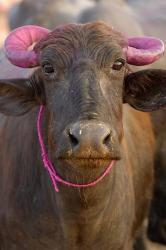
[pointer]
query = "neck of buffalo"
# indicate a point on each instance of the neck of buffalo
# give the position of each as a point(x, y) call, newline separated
point(72, 219)
point(89, 216)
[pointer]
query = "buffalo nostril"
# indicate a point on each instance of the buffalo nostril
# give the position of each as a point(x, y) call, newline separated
point(73, 139)
point(107, 139)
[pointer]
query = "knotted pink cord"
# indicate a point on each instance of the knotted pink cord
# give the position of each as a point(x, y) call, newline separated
point(48, 165)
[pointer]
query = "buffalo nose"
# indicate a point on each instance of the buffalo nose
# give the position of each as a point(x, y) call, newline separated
point(93, 137)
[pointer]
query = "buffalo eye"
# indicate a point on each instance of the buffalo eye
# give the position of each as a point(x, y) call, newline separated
point(118, 64)
point(48, 68)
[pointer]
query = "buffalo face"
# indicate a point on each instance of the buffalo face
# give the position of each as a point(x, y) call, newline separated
point(83, 81)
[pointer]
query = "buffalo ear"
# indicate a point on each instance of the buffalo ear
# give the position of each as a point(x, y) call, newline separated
point(145, 90)
point(18, 96)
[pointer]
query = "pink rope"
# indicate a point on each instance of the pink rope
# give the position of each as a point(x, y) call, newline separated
point(48, 165)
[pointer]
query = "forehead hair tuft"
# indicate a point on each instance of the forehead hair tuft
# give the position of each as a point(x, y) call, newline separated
point(96, 41)
point(83, 34)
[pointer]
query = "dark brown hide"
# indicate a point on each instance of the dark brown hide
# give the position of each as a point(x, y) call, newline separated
point(152, 19)
point(157, 217)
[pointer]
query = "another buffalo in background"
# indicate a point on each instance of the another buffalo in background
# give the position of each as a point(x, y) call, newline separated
point(46, 13)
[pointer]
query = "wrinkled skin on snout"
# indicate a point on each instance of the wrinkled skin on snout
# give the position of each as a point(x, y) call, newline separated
point(83, 81)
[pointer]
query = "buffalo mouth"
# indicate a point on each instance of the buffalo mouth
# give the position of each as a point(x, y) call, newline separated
point(82, 171)
point(92, 163)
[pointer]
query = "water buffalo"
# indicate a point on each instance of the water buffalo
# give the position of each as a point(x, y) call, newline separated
point(76, 160)
point(37, 12)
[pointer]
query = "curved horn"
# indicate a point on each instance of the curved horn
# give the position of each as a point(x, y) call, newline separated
point(144, 50)
point(19, 42)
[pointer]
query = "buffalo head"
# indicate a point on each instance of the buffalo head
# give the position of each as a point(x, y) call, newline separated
point(82, 79)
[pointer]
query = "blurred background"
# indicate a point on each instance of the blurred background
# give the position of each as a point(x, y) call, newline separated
point(5, 5)
point(132, 17)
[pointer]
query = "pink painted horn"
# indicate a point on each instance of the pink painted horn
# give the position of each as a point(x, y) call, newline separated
point(144, 50)
point(18, 45)
point(140, 50)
